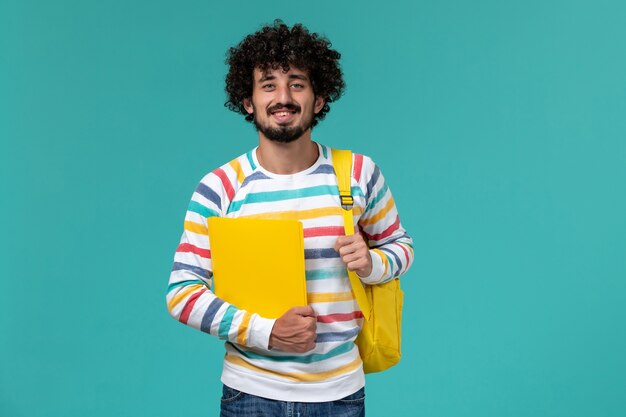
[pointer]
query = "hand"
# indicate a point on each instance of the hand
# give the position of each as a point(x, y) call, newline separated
point(294, 331)
point(355, 254)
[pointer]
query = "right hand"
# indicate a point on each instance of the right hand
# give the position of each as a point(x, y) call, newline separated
point(294, 331)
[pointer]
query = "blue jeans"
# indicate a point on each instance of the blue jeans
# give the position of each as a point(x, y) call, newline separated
point(239, 404)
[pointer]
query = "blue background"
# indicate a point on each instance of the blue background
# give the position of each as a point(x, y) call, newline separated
point(499, 125)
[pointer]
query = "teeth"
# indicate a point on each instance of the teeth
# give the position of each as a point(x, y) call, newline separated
point(282, 113)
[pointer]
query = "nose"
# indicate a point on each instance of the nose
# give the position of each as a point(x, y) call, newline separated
point(283, 95)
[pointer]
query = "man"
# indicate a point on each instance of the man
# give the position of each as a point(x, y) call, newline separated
point(283, 80)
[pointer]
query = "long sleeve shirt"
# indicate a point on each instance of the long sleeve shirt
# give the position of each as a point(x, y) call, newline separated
point(242, 188)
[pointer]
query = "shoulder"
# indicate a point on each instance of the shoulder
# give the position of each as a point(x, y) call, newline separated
point(220, 185)
point(363, 168)
point(366, 174)
point(362, 165)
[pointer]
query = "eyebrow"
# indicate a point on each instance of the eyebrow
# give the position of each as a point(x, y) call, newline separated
point(267, 77)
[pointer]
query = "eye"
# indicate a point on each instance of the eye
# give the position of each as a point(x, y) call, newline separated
point(297, 86)
point(267, 86)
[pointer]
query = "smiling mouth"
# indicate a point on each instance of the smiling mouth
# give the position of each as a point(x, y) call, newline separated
point(283, 116)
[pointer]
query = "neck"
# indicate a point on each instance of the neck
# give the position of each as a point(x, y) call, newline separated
point(287, 158)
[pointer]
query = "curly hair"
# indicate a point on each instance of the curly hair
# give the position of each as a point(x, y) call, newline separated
point(278, 46)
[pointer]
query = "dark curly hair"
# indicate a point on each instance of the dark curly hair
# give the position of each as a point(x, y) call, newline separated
point(278, 46)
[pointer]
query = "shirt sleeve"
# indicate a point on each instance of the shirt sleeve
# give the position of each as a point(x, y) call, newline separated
point(189, 296)
point(391, 247)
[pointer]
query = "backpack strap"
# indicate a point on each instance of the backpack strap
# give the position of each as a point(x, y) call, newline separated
point(342, 162)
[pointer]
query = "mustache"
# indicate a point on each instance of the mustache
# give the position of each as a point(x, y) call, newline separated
point(290, 106)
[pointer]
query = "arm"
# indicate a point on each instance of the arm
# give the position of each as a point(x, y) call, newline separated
point(189, 296)
point(191, 301)
point(382, 250)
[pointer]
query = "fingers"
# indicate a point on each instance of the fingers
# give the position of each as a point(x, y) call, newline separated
point(352, 249)
point(306, 315)
point(295, 331)
point(349, 244)
point(343, 241)
point(355, 254)
point(357, 265)
point(304, 311)
point(347, 240)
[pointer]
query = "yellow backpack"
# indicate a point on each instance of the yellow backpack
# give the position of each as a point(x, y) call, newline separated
point(381, 334)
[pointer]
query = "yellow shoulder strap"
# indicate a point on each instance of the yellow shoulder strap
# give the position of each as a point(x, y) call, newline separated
point(342, 162)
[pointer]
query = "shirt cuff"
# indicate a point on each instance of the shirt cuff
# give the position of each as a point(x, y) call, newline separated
point(378, 269)
point(260, 331)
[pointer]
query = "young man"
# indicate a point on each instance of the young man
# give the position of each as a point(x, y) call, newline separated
point(283, 80)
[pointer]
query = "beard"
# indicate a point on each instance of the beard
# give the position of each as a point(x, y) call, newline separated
point(283, 133)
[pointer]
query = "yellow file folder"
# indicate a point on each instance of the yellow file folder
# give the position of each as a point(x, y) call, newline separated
point(258, 265)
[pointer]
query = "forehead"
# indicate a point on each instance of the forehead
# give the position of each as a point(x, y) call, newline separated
point(273, 73)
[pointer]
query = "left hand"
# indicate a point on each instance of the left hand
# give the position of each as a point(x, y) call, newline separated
point(355, 254)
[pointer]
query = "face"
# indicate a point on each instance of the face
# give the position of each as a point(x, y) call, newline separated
point(283, 103)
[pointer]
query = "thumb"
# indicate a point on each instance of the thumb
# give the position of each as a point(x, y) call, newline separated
point(342, 241)
point(305, 311)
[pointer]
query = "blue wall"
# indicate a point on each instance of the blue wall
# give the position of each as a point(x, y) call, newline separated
point(500, 126)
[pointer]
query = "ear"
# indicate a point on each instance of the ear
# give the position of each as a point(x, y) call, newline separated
point(247, 104)
point(319, 104)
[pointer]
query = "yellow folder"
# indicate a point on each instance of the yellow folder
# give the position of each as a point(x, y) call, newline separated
point(258, 264)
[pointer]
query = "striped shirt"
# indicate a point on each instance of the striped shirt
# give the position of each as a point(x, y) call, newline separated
point(242, 188)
